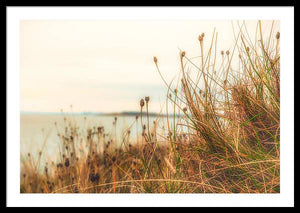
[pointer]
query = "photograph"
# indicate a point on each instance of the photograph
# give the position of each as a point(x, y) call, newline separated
point(150, 106)
point(115, 106)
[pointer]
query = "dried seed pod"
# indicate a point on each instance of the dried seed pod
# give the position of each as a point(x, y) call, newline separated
point(142, 102)
point(94, 178)
point(182, 54)
point(67, 162)
point(200, 38)
point(46, 169)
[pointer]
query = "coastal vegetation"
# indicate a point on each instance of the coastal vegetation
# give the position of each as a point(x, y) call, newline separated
point(226, 139)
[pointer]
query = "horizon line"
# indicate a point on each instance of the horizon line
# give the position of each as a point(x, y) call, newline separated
point(91, 113)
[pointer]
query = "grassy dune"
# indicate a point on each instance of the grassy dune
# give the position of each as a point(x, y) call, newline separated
point(230, 142)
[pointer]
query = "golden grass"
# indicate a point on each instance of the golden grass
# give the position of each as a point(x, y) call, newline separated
point(230, 142)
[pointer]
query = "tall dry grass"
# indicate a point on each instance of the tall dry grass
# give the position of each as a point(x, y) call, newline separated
point(228, 140)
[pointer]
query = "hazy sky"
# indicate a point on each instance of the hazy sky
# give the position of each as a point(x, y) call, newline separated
point(107, 66)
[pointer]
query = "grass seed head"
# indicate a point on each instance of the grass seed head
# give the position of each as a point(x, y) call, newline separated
point(67, 162)
point(142, 102)
point(200, 37)
point(182, 54)
point(94, 178)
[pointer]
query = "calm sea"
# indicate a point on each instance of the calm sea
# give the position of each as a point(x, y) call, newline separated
point(39, 132)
